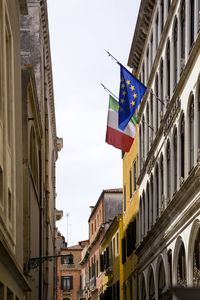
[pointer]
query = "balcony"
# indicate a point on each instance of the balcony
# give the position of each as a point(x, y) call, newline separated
point(81, 295)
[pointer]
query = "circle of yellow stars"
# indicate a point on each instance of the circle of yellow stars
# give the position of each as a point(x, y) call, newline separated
point(124, 92)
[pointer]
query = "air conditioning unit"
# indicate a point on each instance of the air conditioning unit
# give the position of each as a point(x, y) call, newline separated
point(182, 64)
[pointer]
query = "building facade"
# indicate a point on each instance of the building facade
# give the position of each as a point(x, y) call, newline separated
point(130, 222)
point(110, 260)
point(28, 152)
point(68, 269)
point(107, 207)
point(165, 55)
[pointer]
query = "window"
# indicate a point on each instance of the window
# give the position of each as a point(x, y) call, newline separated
point(175, 160)
point(182, 150)
point(151, 286)
point(196, 260)
point(169, 256)
point(92, 228)
point(151, 116)
point(169, 4)
point(175, 34)
point(111, 252)
point(117, 243)
point(161, 281)
point(147, 63)
point(162, 14)
point(140, 145)
point(198, 118)
point(95, 226)
point(157, 110)
point(148, 207)
point(161, 178)
point(157, 21)
point(152, 196)
point(181, 267)
point(130, 173)
point(192, 20)
point(151, 50)
point(143, 290)
point(113, 248)
point(143, 141)
point(168, 170)
point(33, 156)
point(67, 259)
point(157, 192)
point(168, 69)
point(183, 30)
point(143, 214)
point(124, 198)
point(66, 283)
point(161, 85)
point(123, 250)
point(134, 176)
point(191, 129)
point(148, 128)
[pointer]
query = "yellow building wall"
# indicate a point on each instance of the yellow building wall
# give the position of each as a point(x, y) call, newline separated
point(115, 275)
point(132, 208)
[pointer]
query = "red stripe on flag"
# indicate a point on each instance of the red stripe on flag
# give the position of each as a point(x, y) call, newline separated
point(118, 139)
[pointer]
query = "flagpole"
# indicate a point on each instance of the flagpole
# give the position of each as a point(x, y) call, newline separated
point(107, 90)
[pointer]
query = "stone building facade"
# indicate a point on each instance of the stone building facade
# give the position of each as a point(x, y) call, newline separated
point(28, 152)
point(165, 55)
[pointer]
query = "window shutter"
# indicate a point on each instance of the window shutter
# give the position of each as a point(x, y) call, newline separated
point(71, 282)
point(63, 258)
point(134, 234)
point(62, 283)
point(123, 250)
point(117, 296)
point(101, 262)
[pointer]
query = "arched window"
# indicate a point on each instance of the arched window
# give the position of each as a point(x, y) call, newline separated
point(157, 110)
point(169, 259)
point(161, 281)
point(161, 85)
point(182, 144)
point(192, 20)
point(157, 191)
point(183, 30)
point(151, 198)
point(148, 207)
point(147, 139)
point(143, 290)
point(191, 132)
point(181, 267)
point(196, 261)
point(151, 286)
point(168, 155)
point(175, 34)
point(168, 68)
point(175, 159)
point(162, 14)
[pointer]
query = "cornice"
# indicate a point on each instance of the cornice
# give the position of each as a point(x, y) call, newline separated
point(48, 67)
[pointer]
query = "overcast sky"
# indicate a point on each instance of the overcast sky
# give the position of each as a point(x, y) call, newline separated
point(80, 31)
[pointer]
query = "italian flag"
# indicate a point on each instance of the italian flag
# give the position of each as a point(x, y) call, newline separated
point(115, 136)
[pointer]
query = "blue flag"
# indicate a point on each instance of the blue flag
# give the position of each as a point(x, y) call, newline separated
point(130, 94)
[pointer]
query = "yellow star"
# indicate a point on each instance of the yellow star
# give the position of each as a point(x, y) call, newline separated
point(135, 95)
point(122, 100)
point(123, 85)
point(132, 87)
point(133, 103)
point(124, 93)
point(128, 81)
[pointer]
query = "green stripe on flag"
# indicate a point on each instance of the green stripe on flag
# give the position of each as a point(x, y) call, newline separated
point(114, 105)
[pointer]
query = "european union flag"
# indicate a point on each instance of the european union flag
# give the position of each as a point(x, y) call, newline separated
point(130, 94)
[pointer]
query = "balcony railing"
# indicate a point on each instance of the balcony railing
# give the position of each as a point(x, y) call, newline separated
point(81, 294)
